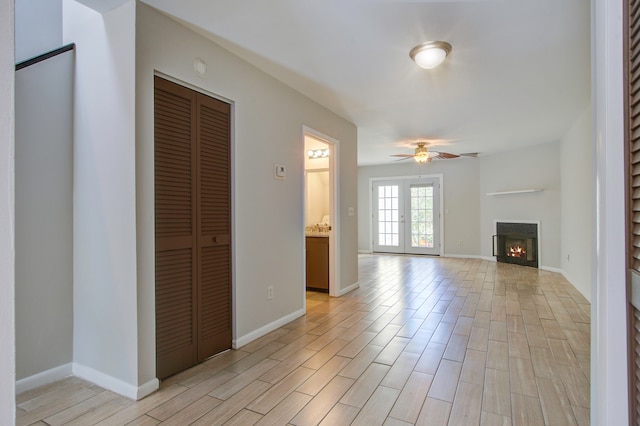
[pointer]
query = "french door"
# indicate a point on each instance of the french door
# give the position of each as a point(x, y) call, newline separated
point(406, 216)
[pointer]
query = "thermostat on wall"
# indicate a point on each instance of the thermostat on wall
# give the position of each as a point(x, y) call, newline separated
point(281, 172)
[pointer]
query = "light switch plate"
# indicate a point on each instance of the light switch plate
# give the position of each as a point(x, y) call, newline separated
point(280, 172)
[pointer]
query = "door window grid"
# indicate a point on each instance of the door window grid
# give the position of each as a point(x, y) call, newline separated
point(422, 216)
point(388, 216)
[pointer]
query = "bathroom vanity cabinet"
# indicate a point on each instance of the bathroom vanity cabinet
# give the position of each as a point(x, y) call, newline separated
point(318, 263)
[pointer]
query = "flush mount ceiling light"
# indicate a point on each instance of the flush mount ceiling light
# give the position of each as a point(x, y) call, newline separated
point(430, 54)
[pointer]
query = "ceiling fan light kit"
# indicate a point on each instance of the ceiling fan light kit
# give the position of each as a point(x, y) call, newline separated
point(422, 155)
point(430, 54)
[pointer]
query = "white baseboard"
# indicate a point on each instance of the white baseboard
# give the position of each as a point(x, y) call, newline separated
point(113, 384)
point(250, 337)
point(148, 388)
point(550, 269)
point(43, 378)
point(364, 251)
point(352, 287)
point(464, 256)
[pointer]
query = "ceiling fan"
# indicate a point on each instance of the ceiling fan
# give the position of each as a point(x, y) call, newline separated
point(422, 155)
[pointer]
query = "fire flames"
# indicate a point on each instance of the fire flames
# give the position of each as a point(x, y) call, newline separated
point(517, 251)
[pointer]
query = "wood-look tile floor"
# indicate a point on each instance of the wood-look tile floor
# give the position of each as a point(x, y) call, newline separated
point(428, 341)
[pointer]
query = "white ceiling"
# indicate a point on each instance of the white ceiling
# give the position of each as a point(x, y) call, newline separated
point(518, 74)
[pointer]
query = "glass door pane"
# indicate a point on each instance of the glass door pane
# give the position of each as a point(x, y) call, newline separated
point(421, 216)
point(388, 231)
point(422, 225)
point(417, 201)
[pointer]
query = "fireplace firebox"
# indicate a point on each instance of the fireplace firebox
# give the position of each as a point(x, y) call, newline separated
point(516, 243)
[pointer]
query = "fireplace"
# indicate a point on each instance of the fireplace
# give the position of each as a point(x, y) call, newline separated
point(516, 243)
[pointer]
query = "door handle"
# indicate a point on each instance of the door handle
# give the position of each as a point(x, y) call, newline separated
point(214, 240)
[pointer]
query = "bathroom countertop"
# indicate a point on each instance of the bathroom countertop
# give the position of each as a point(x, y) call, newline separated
point(317, 234)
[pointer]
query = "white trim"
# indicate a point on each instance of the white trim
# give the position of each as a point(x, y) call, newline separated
point(551, 269)
point(193, 87)
point(148, 388)
point(114, 384)
point(255, 334)
point(364, 252)
point(44, 378)
point(564, 274)
point(465, 256)
point(349, 288)
point(334, 210)
point(609, 325)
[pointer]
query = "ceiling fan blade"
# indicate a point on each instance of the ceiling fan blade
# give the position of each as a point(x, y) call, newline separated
point(401, 159)
point(470, 154)
point(403, 155)
point(444, 156)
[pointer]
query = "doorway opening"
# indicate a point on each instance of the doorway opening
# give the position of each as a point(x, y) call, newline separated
point(321, 221)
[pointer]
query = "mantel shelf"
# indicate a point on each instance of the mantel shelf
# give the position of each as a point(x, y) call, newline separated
point(520, 191)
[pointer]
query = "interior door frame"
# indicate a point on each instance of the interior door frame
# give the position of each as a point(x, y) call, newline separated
point(334, 212)
point(438, 177)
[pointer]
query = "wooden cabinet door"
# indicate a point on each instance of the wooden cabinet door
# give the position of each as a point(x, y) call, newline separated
point(192, 222)
point(318, 263)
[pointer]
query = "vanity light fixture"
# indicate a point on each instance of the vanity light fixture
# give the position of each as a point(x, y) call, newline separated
point(430, 54)
point(317, 153)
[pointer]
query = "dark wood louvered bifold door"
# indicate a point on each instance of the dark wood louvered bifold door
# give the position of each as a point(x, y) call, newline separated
point(632, 135)
point(192, 222)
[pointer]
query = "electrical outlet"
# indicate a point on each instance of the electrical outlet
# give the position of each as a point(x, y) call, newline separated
point(270, 292)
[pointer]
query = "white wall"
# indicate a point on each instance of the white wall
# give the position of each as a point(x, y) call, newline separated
point(609, 362)
point(7, 329)
point(38, 27)
point(536, 167)
point(461, 200)
point(317, 196)
point(576, 176)
point(268, 220)
point(44, 217)
point(105, 276)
